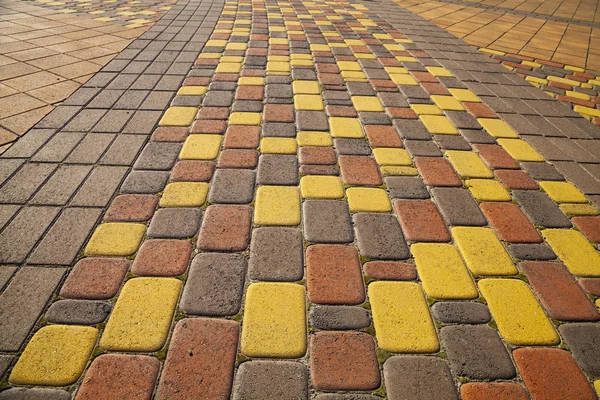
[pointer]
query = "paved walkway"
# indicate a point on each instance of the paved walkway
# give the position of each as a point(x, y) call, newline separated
point(273, 200)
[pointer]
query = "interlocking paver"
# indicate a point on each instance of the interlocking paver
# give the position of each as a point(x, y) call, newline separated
point(339, 318)
point(271, 380)
point(418, 377)
point(78, 312)
point(461, 312)
point(276, 254)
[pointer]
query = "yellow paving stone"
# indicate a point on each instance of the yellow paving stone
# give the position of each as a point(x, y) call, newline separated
point(142, 315)
point(536, 81)
point(367, 103)
point(345, 128)
point(349, 66)
point(468, 164)
point(201, 147)
point(448, 103)
point(216, 43)
point(597, 381)
point(251, 81)
point(401, 318)
point(55, 356)
point(237, 46)
point(354, 76)
point(319, 47)
point(439, 71)
point(192, 91)
point(310, 102)
point(391, 156)
point(573, 210)
point(394, 47)
point(570, 82)
point(306, 87)
point(487, 190)
point(272, 145)
point(232, 59)
point(394, 170)
point(406, 59)
point(178, 116)
point(426, 109)
point(442, 271)
point(396, 70)
point(482, 251)
point(210, 55)
point(563, 192)
point(464, 95)
point(368, 200)
point(438, 124)
point(520, 318)
point(520, 150)
point(532, 64)
point(276, 66)
point(365, 55)
point(184, 194)
point(115, 239)
point(274, 321)
point(580, 257)
point(321, 187)
point(244, 118)
point(278, 41)
point(277, 205)
point(403, 79)
point(296, 63)
point(497, 128)
point(310, 138)
point(228, 68)
point(578, 95)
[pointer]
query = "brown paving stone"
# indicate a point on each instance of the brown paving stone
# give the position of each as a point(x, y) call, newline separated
point(250, 93)
point(390, 270)
point(95, 278)
point(435, 88)
point(559, 292)
point(590, 285)
point(480, 110)
point(193, 171)
point(341, 111)
point(200, 360)
point(343, 361)
point(495, 156)
point(170, 134)
point(510, 223)
point(358, 170)
point(437, 171)
point(209, 126)
point(233, 158)
point(551, 374)
point(225, 228)
point(589, 226)
point(421, 221)
point(131, 208)
point(401, 112)
point(516, 179)
point(242, 137)
point(383, 136)
point(317, 155)
point(278, 113)
point(119, 376)
point(333, 275)
point(162, 257)
point(493, 391)
point(213, 113)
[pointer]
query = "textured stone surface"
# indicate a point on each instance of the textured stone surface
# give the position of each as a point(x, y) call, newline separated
point(461, 312)
point(276, 254)
point(78, 312)
point(379, 237)
point(584, 342)
point(339, 317)
point(418, 377)
point(271, 380)
point(327, 221)
point(175, 223)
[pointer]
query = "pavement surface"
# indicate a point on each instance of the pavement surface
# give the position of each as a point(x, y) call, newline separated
point(293, 200)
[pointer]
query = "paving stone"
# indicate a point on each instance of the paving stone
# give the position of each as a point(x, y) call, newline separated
point(276, 169)
point(458, 207)
point(278, 129)
point(276, 254)
point(175, 223)
point(552, 374)
point(476, 352)
point(215, 285)
point(542, 171)
point(461, 312)
point(145, 182)
point(450, 142)
point(406, 187)
point(510, 223)
point(531, 252)
point(25, 182)
point(232, 186)
point(541, 210)
point(61, 186)
point(34, 394)
point(347, 396)
point(29, 144)
point(437, 171)
point(411, 129)
point(327, 221)
point(5, 364)
point(99, 187)
point(271, 380)
point(201, 359)
point(158, 156)
point(343, 361)
point(90, 149)
point(360, 171)
point(493, 391)
point(589, 226)
point(78, 312)
point(225, 228)
point(119, 376)
point(422, 148)
point(333, 318)
point(311, 121)
point(123, 150)
point(421, 221)
point(352, 147)
point(23, 301)
point(162, 257)
point(59, 147)
point(583, 341)
point(379, 236)
point(131, 208)
point(95, 278)
point(390, 270)
point(418, 377)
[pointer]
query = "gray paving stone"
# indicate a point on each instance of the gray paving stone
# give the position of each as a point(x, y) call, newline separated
point(461, 312)
point(5, 363)
point(540, 209)
point(78, 312)
point(278, 91)
point(579, 177)
point(218, 99)
point(311, 121)
point(531, 252)
point(547, 149)
point(278, 129)
point(276, 254)
point(275, 169)
point(360, 89)
point(85, 120)
point(23, 301)
point(339, 317)
point(175, 223)
point(29, 144)
point(406, 187)
point(25, 182)
point(100, 186)
point(142, 122)
point(393, 99)
point(65, 238)
point(422, 148)
point(58, 117)
point(458, 207)
point(34, 394)
point(411, 129)
point(271, 380)
point(24, 231)
point(352, 147)
point(418, 378)
point(147, 182)
point(215, 285)
point(583, 340)
point(158, 156)
point(476, 352)
point(61, 186)
point(157, 100)
point(327, 221)
point(8, 167)
point(477, 136)
point(233, 186)
point(123, 150)
point(6, 273)
point(247, 106)
point(374, 118)
point(379, 236)
point(542, 171)
point(90, 149)
point(113, 121)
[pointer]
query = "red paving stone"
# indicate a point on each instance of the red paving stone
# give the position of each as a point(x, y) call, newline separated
point(421, 221)
point(493, 391)
point(383, 136)
point(278, 113)
point(225, 228)
point(589, 226)
point(360, 171)
point(131, 208)
point(495, 156)
point(95, 278)
point(170, 134)
point(317, 155)
point(238, 159)
point(193, 171)
point(242, 137)
point(162, 257)
point(510, 223)
point(590, 285)
point(516, 179)
point(390, 270)
point(437, 171)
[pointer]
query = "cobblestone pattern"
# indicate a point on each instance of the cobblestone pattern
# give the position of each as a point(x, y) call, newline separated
point(332, 202)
